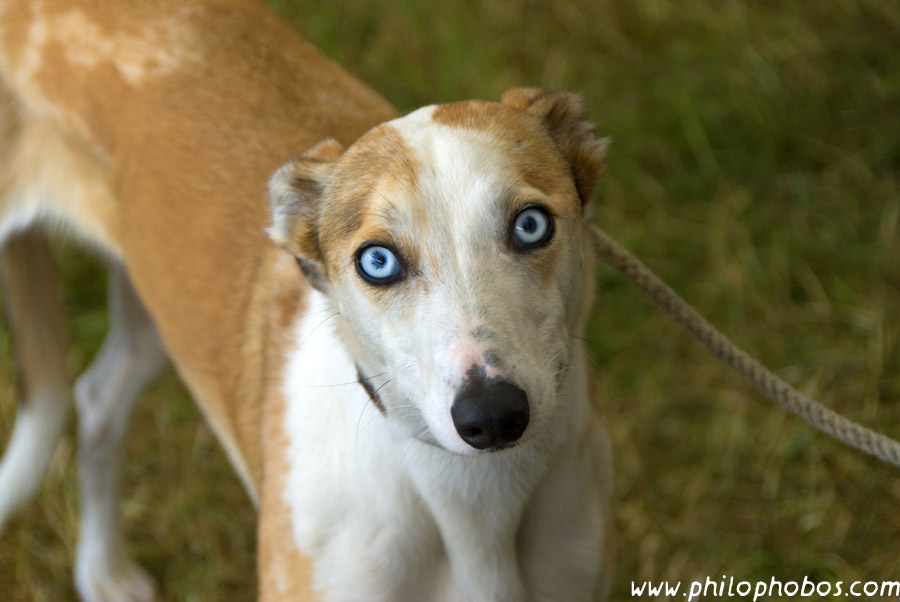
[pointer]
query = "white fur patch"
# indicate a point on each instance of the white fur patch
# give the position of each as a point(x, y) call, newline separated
point(156, 50)
point(334, 431)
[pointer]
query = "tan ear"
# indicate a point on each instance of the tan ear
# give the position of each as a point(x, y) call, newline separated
point(295, 195)
point(520, 98)
point(565, 117)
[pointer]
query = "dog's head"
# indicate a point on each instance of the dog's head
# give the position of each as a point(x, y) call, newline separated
point(451, 242)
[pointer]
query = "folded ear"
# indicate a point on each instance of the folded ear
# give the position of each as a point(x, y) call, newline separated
point(565, 117)
point(295, 197)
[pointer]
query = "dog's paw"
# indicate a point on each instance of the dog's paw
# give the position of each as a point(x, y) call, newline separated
point(127, 583)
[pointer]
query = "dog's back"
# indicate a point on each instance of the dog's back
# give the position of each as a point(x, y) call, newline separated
point(148, 131)
point(175, 110)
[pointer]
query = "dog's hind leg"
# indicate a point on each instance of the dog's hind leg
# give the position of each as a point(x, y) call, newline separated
point(131, 358)
point(38, 329)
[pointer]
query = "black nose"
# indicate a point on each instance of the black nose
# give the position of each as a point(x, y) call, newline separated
point(490, 414)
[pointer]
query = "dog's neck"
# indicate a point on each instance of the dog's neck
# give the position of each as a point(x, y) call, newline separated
point(469, 509)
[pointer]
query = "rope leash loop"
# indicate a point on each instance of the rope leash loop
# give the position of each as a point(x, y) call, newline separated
point(826, 420)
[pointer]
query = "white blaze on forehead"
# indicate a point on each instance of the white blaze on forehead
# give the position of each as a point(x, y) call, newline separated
point(447, 151)
point(464, 174)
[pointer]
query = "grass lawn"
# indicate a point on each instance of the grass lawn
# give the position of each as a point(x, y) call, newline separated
point(755, 166)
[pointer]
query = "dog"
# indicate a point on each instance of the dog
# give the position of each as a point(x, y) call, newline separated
point(388, 349)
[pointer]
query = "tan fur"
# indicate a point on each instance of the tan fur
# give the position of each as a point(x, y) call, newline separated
point(564, 119)
point(378, 160)
point(284, 572)
point(35, 312)
point(377, 163)
point(209, 127)
point(152, 137)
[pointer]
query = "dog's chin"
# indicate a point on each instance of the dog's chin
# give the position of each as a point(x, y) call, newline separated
point(443, 436)
point(456, 447)
point(452, 445)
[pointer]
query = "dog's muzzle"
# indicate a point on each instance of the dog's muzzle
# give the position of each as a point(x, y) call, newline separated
point(490, 414)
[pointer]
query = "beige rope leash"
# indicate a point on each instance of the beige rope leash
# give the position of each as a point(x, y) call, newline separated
point(758, 375)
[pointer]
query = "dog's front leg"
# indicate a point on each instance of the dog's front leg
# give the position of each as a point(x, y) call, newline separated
point(131, 358)
point(38, 325)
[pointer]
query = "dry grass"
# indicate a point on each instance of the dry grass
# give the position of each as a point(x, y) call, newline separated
point(755, 166)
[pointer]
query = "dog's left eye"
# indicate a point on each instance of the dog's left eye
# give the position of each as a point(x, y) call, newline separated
point(378, 265)
point(532, 227)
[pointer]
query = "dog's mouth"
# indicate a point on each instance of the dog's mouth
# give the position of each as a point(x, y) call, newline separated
point(501, 447)
point(424, 434)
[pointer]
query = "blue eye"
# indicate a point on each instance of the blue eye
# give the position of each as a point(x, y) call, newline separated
point(532, 227)
point(378, 265)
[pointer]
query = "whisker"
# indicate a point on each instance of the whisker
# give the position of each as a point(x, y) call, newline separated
point(381, 386)
point(590, 342)
point(405, 451)
point(594, 364)
point(386, 199)
point(323, 310)
point(311, 332)
point(350, 382)
point(362, 412)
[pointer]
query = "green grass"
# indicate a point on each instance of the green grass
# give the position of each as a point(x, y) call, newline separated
point(755, 166)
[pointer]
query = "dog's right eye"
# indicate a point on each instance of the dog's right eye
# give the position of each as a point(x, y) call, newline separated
point(378, 265)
